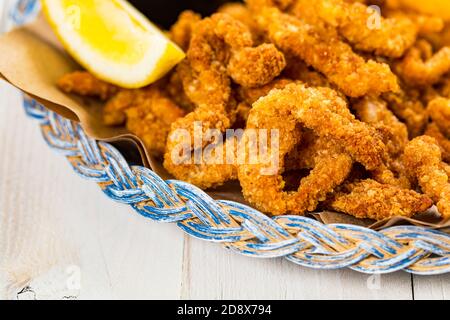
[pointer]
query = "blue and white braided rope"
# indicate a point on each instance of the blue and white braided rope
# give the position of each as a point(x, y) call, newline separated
point(240, 228)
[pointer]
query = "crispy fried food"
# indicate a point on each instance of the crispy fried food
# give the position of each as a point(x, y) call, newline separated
point(425, 24)
point(331, 163)
point(299, 71)
point(240, 12)
point(439, 111)
point(175, 90)
point(373, 200)
point(364, 27)
point(180, 158)
point(424, 160)
point(204, 75)
point(148, 113)
point(408, 107)
point(442, 39)
point(446, 168)
point(219, 47)
point(251, 95)
point(375, 112)
point(283, 73)
point(253, 67)
point(86, 84)
point(322, 49)
point(324, 112)
point(443, 141)
point(181, 31)
point(416, 71)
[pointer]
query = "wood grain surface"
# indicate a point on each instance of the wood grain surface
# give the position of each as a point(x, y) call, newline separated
point(61, 238)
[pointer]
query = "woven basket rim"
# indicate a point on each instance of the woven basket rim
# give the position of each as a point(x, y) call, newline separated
point(243, 229)
point(301, 240)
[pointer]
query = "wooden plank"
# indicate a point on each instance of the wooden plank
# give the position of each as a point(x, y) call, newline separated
point(57, 228)
point(432, 287)
point(212, 272)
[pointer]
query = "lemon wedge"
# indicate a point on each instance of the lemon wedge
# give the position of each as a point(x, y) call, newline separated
point(439, 8)
point(113, 40)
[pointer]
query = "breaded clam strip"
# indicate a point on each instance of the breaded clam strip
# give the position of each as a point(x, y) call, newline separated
point(373, 200)
point(409, 108)
point(364, 27)
point(423, 159)
point(439, 111)
point(323, 111)
point(181, 31)
point(416, 71)
point(434, 131)
point(322, 49)
point(375, 111)
point(86, 84)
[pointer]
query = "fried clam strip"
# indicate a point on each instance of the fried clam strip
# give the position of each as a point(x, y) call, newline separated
point(203, 73)
point(362, 26)
point(373, 200)
point(214, 42)
point(443, 141)
point(193, 152)
point(148, 113)
point(322, 49)
point(425, 24)
point(324, 112)
point(86, 84)
point(207, 84)
point(253, 67)
point(416, 71)
point(375, 112)
point(251, 95)
point(299, 71)
point(408, 107)
point(423, 159)
point(181, 31)
point(439, 111)
point(240, 12)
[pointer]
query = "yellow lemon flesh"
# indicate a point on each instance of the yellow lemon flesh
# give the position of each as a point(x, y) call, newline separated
point(439, 8)
point(113, 40)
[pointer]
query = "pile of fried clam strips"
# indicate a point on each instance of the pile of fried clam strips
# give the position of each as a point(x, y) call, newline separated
point(361, 102)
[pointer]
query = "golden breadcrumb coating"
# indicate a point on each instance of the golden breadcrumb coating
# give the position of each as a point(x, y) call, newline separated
point(204, 173)
point(414, 70)
point(443, 141)
point(425, 25)
point(409, 108)
point(424, 160)
point(322, 49)
point(293, 68)
point(366, 29)
point(148, 113)
point(251, 95)
point(240, 12)
point(181, 31)
point(324, 112)
point(373, 200)
point(85, 84)
point(254, 67)
point(375, 111)
point(439, 111)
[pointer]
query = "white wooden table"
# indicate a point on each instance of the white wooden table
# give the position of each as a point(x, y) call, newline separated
point(60, 237)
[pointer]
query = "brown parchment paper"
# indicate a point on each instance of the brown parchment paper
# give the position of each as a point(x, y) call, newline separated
point(32, 59)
